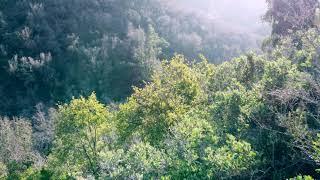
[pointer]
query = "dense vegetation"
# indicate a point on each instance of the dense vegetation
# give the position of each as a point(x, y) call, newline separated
point(69, 112)
point(53, 50)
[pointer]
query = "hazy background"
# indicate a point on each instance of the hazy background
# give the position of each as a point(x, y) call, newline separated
point(237, 16)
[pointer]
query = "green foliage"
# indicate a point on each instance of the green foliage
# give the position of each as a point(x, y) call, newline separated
point(187, 144)
point(226, 111)
point(166, 131)
point(142, 161)
point(80, 128)
point(232, 159)
point(3, 171)
point(193, 120)
point(196, 151)
point(302, 178)
point(315, 151)
point(152, 110)
point(51, 51)
point(254, 117)
point(138, 161)
point(37, 174)
point(301, 48)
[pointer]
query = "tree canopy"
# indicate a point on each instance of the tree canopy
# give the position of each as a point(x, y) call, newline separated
point(94, 89)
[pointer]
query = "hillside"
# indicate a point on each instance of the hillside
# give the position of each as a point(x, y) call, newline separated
point(158, 89)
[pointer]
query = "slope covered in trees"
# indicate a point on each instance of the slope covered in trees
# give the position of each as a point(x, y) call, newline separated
point(53, 50)
point(66, 75)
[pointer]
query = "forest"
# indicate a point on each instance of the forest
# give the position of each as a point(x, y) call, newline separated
point(159, 89)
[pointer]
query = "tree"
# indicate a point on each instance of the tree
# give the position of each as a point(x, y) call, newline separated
point(15, 140)
point(51, 51)
point(172, 113)
point(16, 153)
point(80, 129)
point(138, 161)
point(148, 50)
point(196, 150)
point(286, 15)
point(3, 171)
point(152, 110)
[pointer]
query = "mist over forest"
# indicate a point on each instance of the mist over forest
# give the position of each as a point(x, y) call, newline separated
point(242, 12)
point(159, 89)
point(238, 16)
point(231, 17)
